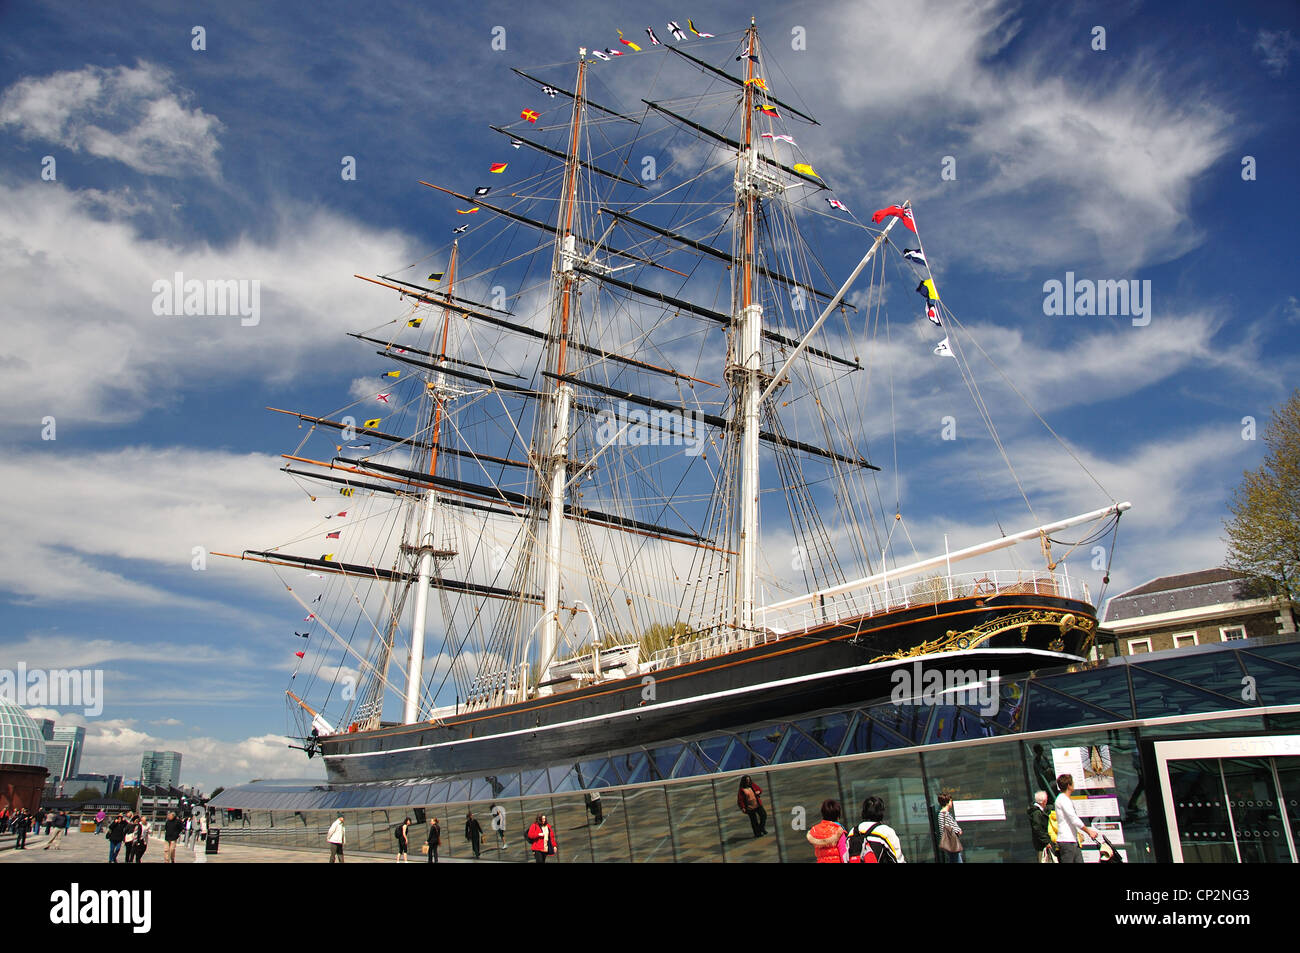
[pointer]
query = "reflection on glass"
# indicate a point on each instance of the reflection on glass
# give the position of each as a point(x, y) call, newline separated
point(693, 819)
point(1201, 813)
point(739, 845)
point(1256, 814)
point(794, 805)
point(648, 832)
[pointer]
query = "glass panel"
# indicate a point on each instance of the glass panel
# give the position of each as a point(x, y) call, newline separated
point(1288, 775)
point(1218, 672)
point(490, 844)
point(796, 746)
point(867, 735)
point(713, 749)
point(608, 829)
point(664, 759)
point(907, 721)
point(763, 741)
point(691, 764)
point(535, 782)
point(517, 840)
point(898, 782)
point(1256, 818)
point(994, 773)
point(1105, 688)
point(648, 830)
point(1201, 812)
point(739, 843)
point(739, 757)
point(827, 730)
point(636, 768)
point(1275, 683)
point(1048, 709)
point(1157, 697)
point(564, 777)
point(1288, 652)
point(795, 801)
point(571, 822)
point(693, 822)
point(597, 774)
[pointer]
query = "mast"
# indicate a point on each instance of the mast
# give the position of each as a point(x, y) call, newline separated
point(425, 545)
point(744, 373)
point(556, 442)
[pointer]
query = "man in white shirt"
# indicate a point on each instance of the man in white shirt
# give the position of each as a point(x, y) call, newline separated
point(1068, 824)
point(336, 837)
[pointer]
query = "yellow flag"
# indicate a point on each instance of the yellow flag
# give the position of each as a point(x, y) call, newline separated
point(806, 169)
point(374, 423)
point(414, 322)
point(327, 557)
point(392, 373)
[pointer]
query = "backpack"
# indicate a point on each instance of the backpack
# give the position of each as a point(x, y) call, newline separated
point(863, 851)
point(397, 832)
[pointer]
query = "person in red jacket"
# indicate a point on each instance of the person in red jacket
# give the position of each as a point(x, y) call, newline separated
point(830, 843)
point(749, 798)
point(541, 838)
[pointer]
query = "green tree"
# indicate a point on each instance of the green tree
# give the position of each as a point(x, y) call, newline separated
point(219, 789)
point(87, 794)
point(130, 795)
point(1264, 531)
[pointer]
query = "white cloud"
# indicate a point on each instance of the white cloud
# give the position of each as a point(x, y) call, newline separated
point(116, 746)
point(1060, 167)
point(1275, 48)
point(131, 115)
point(104, 356)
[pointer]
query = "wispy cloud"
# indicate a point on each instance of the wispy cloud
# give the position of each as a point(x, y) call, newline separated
point(136, 116)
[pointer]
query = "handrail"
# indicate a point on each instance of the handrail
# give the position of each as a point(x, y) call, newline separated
point(876, 600)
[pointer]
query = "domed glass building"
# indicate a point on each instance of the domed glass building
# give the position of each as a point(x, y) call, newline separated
point(22, 759)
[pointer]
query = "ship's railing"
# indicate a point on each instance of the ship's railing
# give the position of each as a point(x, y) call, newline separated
point(928, 590)
point(708, 646)
point(875, 600)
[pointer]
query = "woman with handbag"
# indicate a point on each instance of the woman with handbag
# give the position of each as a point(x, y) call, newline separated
point(950, 849)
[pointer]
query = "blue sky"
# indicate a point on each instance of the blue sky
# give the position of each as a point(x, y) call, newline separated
point(1117, 164)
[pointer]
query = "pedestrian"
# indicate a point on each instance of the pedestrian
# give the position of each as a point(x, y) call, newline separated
point(60, 828)
point(172, 829)
point(499, 825)
point(20, 823)
point(749, 798)
point(116, 835)
point(473, 832)
point(100, 817)
point(403, 841)
point(434, 839)
point(594, 806)
point(337, 836)
point(1039, 823)
point(829, 843)
point(4, 819)
point(128, 842)
point(49, 822)
point(872, 840)
point(142, 835)
point(1068, 824)
point(950, 849)
point(541, 838)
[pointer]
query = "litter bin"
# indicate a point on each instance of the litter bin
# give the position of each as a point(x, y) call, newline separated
point(213, 843)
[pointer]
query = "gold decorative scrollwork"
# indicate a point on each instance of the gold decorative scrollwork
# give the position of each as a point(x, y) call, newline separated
point(957, 641)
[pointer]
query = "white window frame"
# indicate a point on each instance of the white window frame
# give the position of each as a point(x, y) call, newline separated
point(1225, 629)
point(1196, 639)
point(1133, 642)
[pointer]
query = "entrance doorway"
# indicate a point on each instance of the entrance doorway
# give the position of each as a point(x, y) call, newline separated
point(1231, 800)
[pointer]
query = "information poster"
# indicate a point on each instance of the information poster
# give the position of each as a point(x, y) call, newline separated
point(1090, 766)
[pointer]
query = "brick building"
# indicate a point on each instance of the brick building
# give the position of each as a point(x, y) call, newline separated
point(1194, 608)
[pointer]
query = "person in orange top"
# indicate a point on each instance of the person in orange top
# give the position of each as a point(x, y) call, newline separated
point(829, 842)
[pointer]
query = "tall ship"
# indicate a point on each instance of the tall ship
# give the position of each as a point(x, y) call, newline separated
point(620, 471)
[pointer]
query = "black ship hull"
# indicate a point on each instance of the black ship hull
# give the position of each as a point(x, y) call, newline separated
point(836, 664)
